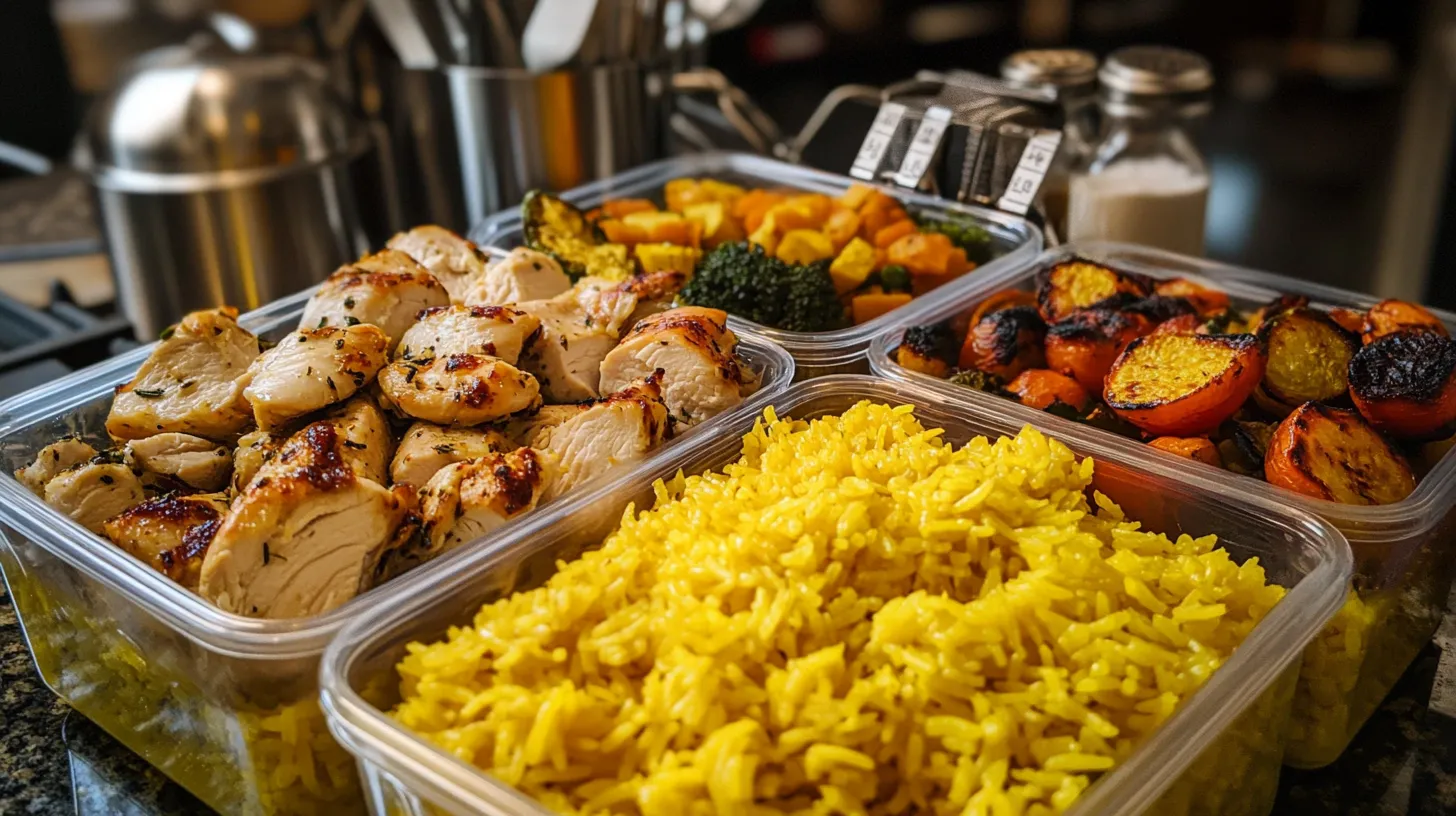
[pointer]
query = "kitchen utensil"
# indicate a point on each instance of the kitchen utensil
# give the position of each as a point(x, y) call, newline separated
point(221, 178)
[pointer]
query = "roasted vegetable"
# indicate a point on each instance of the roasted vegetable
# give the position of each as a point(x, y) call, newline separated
point(1102, 418)
point(718, 226)
point(927, 349)
point(922, 254)
point(1390, 316)
point(1197, 448)
point(1332, 454)
point(973, 240)
point(1004, 299)
point(1080, 284)
point(1043, 388)
point(559, 229)
point(1184, 384)
point(1182, 324)
point(1308, 357)
point(895, 278)
point(1274, 308)
point(1159, 308)
point(841, 227)
point(666, 258)
point(1084, 345)
point(804, 246)
point(685, 192)
point(853, 266)
point(1005, 343)
point(1207, 301)
point(1404, 384)
point(1349, 320)
point(1252, 439)
point(980, 381)
point(870, 305)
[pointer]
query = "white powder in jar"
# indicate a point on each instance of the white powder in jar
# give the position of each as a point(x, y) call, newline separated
point(1156, 201)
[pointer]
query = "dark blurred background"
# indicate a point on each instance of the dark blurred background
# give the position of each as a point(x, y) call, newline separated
point(1329, 143)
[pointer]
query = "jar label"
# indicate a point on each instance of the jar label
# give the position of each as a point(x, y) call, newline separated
point(1030, 171)
point(924, 146)
point(877, 141)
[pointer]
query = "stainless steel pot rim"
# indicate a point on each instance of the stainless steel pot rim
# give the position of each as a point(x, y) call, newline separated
point(124, 180)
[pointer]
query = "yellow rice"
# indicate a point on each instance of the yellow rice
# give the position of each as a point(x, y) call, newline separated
point(853, 618)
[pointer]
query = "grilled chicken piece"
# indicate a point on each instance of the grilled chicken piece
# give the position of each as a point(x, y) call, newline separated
point(170, 534)
point(578, 329)
point(305, 536)
point(488, 331)
point(469, 499)
point(529, 430)
point(456, 262)
point(253, 450)
point(192, 383)
point(655, 292)
point(313, 368)
point(523, 275)
point(426, 448)
point(190, 460)
point(620, 428)
point(386, 289)
point(94, 491)
point(461, 389)
point(693, 349)
point(52, 459)
point(364, 431)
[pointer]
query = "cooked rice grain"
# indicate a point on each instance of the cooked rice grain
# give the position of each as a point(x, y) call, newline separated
point(854, 617)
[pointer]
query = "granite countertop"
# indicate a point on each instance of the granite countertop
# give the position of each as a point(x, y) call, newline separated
point(54, 761)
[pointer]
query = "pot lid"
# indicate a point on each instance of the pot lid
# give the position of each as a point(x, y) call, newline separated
point(204, 108)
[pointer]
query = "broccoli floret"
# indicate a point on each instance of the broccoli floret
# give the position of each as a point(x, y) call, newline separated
point(979, 380)
point(811, 303)
point(975, 240)
point(741, 279)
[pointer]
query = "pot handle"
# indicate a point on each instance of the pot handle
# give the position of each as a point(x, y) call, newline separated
point(741, 112)
point(25, 159)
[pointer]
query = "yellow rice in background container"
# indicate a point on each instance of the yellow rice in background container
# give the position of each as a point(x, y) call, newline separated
point(855, 617)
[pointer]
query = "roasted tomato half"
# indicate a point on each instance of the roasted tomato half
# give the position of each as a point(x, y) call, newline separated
point(1085, 345)
point(1333, 454)
point(1404, 384)
point(1078, 284)
point(1184, 384)
point(1005, 342)
point(1309, 357)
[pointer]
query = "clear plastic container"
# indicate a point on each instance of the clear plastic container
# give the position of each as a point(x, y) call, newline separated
point(1218, 755)
point(1014, 242)
point(1405, 553)
point(225, 705)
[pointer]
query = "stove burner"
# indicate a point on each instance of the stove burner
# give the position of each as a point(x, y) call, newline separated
point(39, 345)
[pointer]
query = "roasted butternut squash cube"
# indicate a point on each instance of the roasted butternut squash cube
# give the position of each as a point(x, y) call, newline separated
point(804, 246)
point(666, 258)
point(852, 267)
point(867, 307)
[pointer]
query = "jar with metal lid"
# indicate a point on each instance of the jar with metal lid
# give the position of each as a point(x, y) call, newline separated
point(1073, 74)
point(222, 177)
point(1146, 181)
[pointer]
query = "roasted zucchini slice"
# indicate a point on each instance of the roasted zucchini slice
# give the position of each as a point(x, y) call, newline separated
point(559, 229)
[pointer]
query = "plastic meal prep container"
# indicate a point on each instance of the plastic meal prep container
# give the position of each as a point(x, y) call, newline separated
point(225, 705)
point(1219, 754)
point(1404, 553)
point(1014, 241)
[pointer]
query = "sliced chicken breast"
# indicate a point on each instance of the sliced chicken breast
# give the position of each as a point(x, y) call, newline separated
point(364, 430)
point(386, 289)
point(426, 448)
point(305, 536)
point(192, 383)
point(191, 460)
point(654, 291)
point(578, 329)
point(488, 331)
point(469, 499)
point(528, 430)
point(51, 460)
point(314, 368)
point(170, 534)
point(618, 429)
point(694, 350)
point(461, 389)
point(94, 491)
point(523, 275)
point(455, 261)
point(408, 548)
point(254, 448)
